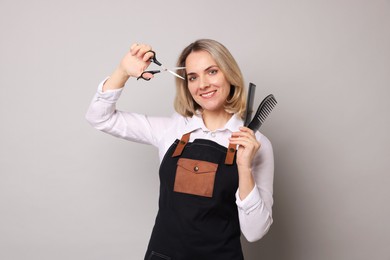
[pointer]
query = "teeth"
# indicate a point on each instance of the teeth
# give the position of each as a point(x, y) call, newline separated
point(208, 94)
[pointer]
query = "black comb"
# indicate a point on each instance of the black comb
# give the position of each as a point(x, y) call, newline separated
point(249, 103)
point(265, 108)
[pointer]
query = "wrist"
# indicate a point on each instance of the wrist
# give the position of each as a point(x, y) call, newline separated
point(246, 182)
point(244, 169)
point(121, 73)
point(117, 80)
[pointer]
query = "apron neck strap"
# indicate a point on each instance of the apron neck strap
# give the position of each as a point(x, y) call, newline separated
point(229, 159)
point(231, 151)
point(182, 143)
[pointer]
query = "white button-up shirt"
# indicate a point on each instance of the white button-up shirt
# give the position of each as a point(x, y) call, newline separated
point(255, 211)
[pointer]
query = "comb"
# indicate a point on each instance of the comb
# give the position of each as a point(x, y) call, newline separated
point(249, 103)
point(265, 108)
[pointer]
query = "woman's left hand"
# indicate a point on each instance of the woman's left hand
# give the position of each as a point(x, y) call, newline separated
point(247, 146)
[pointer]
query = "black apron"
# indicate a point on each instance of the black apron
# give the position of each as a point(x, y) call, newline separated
point(197, 217)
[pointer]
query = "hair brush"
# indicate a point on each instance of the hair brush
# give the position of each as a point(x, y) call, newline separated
point(265, 108)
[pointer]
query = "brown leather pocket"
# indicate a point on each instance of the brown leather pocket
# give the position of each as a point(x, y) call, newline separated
point(195, 177)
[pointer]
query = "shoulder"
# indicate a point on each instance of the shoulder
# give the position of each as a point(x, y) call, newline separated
point(262, 138)
point(163, 124)
point(179, 120)
point(265, 144)
point(173, 126)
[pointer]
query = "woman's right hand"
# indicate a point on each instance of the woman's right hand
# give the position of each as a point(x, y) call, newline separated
point(136, 60)
point(132, 64)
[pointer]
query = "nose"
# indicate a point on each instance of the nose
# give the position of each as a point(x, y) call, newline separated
point(204, 83)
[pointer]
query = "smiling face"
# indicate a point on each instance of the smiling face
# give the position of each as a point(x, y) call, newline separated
point(206, 82)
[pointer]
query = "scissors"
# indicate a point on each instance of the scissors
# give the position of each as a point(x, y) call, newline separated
point(154, 60)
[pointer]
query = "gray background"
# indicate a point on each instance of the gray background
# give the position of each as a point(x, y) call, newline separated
point(68, 191)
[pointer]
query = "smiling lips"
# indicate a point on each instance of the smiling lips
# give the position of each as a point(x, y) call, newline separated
point(208, 94)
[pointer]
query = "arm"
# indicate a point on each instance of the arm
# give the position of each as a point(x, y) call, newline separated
point(254, 195)
point(102, 113)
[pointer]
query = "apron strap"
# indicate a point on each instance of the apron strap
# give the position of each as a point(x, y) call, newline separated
point(182, 143)
point(231, 151)
point(229, 159)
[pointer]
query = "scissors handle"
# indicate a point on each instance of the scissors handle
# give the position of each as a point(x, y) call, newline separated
point(148, 71)
point(154, 59)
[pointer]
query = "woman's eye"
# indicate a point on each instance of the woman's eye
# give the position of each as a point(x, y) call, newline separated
point(191, 78)
point(212, 72)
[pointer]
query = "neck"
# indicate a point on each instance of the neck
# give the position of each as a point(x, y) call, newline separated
point(215, 120)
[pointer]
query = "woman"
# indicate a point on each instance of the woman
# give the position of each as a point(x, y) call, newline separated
point(209, 191)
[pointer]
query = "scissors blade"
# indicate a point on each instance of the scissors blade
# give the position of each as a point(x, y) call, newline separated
point(175, 74)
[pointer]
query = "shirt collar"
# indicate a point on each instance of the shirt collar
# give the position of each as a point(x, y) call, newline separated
point(196, 122)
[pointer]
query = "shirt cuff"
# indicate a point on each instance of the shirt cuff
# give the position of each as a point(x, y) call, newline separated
point(250, 203)
point(110, 95)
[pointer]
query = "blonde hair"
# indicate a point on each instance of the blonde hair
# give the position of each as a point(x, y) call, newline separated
point(184, 103)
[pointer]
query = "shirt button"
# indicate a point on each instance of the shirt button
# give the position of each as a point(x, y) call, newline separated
point(213, 134)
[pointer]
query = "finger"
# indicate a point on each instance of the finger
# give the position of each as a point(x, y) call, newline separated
point(240, 140)
point(142, 49)
point(139, 50)
point(243, 134)
point(147, 56)
point(135, 47)
point(247, 130)
point(148, 75)
point(246, 141)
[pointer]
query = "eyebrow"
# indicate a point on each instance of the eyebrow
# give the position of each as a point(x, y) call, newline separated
point(212, 66)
